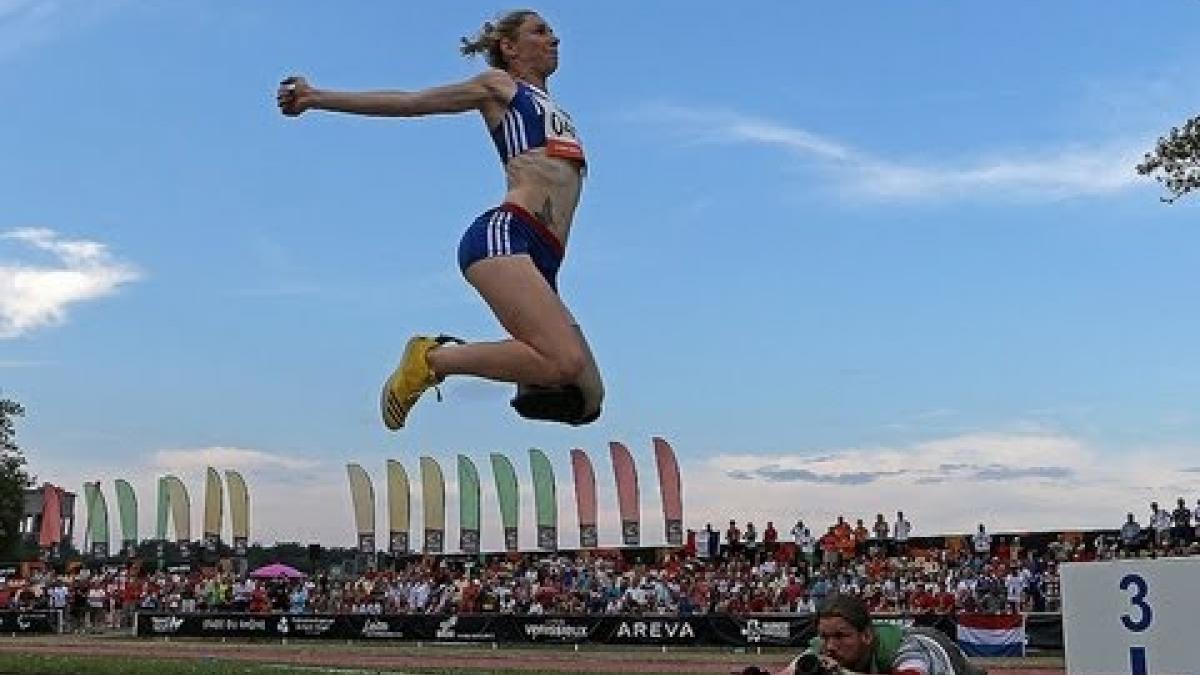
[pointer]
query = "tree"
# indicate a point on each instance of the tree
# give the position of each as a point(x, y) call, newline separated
point(1175, 162)
point(13, 479)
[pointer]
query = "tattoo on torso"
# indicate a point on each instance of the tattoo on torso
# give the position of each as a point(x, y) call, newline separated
point(546, 214)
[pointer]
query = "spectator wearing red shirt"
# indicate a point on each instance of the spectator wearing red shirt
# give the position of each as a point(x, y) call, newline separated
point(875, 568)
point(546, 595)
point(701, 596)
point(792, 593)
point(829, 546)
point(845, 543)
point(945, 602)
point(470, 597)
point(131, 594)
point(842, 528)
point(1002, 550)
point(671, 568)
point(923, 601)
point(259, 601)
point(770, 539)
point(758, 602)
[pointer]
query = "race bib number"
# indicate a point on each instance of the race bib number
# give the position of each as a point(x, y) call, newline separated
point(562, 140)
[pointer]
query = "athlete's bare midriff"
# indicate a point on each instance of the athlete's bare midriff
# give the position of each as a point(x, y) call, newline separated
point(547, 187)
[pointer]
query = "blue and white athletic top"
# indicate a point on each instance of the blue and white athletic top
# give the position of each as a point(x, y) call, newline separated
point(534, 120)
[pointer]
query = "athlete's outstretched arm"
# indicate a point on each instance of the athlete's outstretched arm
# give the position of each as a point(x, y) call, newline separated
point(296, 95)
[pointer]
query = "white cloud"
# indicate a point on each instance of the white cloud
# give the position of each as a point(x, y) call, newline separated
point(1009, 481)
point(25, 24)
point(1017, 481)
point(34, 296)
point(21, 364)
point(1049, 173)
point(225, 457)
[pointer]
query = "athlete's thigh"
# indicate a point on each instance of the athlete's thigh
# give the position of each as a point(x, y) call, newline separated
point(590, 382)
point(523, 301)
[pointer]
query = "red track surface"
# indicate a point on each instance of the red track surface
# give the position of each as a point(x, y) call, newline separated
point(375, 656)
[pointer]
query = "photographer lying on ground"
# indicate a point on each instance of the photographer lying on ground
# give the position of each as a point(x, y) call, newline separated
point(848, 642)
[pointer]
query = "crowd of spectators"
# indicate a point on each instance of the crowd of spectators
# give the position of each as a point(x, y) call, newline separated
point(882, 565)
point(1172, 532)
point(735, 571)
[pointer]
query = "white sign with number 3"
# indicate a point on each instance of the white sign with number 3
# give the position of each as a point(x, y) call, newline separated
point(1131, 617)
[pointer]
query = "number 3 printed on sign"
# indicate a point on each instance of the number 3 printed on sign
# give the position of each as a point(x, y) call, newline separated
point(1145, 614)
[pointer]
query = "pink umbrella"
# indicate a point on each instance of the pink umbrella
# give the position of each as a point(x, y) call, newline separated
point(277, 571)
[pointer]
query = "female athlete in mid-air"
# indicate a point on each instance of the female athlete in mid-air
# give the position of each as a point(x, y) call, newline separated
point(511, 253)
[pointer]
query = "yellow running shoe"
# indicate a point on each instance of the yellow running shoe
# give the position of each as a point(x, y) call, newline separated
point(410, 379)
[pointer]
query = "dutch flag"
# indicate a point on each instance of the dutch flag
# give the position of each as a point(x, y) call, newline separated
point(991, 634)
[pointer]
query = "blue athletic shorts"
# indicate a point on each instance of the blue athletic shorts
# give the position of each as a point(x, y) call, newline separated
point(509, 229)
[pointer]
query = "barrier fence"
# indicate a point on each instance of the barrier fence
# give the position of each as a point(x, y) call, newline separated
point(1044, 631)
point(31, 621)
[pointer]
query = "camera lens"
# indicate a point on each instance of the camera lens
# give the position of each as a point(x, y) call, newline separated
point(809, 664)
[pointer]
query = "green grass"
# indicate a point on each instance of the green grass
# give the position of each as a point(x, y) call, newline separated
point(111, 656)
point(36, 664)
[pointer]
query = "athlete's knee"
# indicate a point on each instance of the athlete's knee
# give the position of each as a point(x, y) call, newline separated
point(566, 366)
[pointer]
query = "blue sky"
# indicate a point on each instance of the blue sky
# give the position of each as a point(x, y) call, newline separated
point(847, 259)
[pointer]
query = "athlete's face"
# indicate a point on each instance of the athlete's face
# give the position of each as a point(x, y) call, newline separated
point(843, 642)
point(536, 46)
